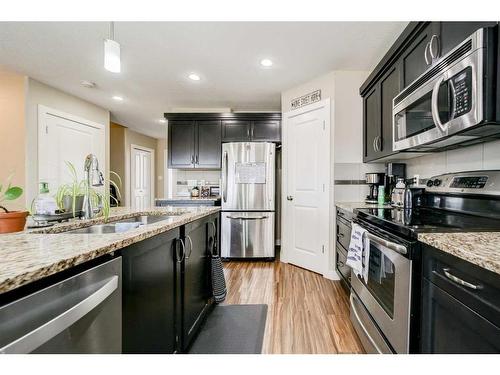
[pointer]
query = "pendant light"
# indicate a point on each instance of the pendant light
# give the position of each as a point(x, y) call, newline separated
point(112, 51)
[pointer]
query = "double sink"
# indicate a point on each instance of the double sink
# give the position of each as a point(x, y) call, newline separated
point(123, 225)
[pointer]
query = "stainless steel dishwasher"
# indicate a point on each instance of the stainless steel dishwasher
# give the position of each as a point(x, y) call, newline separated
point(80, 314)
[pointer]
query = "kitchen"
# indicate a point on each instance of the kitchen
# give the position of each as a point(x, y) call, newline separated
point(336, 202)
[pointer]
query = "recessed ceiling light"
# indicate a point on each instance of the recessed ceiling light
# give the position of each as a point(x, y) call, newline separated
point(117, 98)
point(194, 77)
point(162, 120)
point(266, 63)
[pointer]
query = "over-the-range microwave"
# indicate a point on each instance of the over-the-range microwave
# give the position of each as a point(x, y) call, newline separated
point(456, 101)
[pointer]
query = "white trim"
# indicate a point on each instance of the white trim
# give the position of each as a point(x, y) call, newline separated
point(152, 172)
point(44, 110)
point(331, 275)
point(327, 271)
point(165, 174)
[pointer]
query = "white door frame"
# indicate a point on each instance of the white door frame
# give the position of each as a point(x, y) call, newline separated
point(152, 172)
point(284, 190)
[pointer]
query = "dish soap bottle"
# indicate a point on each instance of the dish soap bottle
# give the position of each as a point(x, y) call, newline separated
point(44, 204)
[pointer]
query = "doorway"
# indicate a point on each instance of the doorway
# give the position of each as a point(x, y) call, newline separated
point(141, 177)
point(306, 186)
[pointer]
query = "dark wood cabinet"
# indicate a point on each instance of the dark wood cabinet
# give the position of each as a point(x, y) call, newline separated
point(389, 88)
point(208, 154)
point(457, 317)
point(181, 144)
point(236, 130)
point(251, 131)
point(149, 295)
point(194, 144)
point(372, 128)
point(413, 60)
point(267, 130)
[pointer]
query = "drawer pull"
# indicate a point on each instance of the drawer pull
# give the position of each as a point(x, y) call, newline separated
point(460, 281)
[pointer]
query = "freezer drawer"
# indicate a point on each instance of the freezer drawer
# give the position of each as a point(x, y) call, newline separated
point(247, 235)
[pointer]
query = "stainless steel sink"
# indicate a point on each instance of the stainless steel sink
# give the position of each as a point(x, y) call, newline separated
point(123, 225)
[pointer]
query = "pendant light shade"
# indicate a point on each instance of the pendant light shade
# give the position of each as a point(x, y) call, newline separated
point(112, 61)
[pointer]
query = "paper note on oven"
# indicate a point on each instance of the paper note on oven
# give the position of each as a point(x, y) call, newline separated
point(250, 173)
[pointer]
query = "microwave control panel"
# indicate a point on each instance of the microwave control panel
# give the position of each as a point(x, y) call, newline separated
point(461, 85)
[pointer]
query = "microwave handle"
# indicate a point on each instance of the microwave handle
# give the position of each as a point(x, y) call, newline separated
point(435, 105)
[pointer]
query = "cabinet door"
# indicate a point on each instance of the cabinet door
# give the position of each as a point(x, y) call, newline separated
point(389, 88)
point(209, 144)
point(181, 144)
point(266, 131)
point(235, 130)
point(372, 131)
point(149, 295)
point(448, 326)
point(451, 34)
point(413, 62)
point(195, 280)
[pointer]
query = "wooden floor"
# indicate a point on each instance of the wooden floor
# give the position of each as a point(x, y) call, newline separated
point(306, 312)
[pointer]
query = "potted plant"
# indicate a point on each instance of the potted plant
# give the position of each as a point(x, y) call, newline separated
point(11, 221)
point(69, 197)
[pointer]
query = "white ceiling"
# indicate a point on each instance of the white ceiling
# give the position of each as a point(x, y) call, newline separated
point(158, 56)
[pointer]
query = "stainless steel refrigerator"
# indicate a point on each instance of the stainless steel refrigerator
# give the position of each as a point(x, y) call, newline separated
point(248, 200)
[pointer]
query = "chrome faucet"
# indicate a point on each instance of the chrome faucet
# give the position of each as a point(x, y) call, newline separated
point(93, 177)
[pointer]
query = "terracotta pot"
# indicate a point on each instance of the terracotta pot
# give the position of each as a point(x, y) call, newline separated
point(13, 221)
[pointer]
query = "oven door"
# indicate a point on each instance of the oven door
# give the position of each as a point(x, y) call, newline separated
point(386, 294)
point(444, 101)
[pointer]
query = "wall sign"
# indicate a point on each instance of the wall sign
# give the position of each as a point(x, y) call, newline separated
point(310, 98)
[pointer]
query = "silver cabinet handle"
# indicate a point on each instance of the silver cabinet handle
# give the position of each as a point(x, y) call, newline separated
point(435, 39)
point(192, 159)
point(460, 281)
point(378, 142)
point(180, 257)
point(224, 175)
point(428, 60)
point(356, 315)
point(215, 228)
point(196, 159)
point(289, 197)
point(190, 247)
point(247, 217)
point(52, 328)
point(374, 147)
point(435, 105)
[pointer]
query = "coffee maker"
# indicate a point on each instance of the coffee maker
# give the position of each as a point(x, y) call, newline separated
point(374, 180)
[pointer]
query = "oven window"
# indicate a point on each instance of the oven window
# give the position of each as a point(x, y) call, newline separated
point(417, 117)
point(381, 279)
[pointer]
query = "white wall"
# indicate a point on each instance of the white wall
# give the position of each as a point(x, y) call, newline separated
point(39, 93)
point(477, 157)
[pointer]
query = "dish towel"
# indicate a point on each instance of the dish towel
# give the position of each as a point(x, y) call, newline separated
point(358, 255)
point(219, 290)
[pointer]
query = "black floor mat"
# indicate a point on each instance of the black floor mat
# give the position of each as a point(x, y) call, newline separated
point(232, 329)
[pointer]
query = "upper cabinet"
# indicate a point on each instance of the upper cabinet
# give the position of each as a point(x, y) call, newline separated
point(419, 47)
point(195, 139)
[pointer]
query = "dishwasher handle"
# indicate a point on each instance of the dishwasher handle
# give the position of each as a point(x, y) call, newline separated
point(52, 328)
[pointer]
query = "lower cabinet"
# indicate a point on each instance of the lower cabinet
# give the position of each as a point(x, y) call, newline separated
point(149, 291)
point(460, 306)
point(167, 287)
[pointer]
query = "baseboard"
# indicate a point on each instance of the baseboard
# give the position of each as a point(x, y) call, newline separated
point(331, 275)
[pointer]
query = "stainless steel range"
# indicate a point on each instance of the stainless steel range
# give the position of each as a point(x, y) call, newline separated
point(384, 309)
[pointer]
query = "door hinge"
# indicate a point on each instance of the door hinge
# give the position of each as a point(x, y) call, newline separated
point(324, 125)
point(323, 188)
point(323, 249)
point(46, 129)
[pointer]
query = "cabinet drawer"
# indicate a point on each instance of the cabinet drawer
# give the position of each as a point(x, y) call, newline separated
point(341, 259)
point(482, 291)
point(343, 234)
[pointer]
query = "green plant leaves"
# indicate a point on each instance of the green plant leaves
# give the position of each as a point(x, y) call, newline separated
point(12, 193)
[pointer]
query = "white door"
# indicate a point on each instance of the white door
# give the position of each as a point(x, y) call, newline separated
point(64, 138)
point(306, 176)
point(141, 173)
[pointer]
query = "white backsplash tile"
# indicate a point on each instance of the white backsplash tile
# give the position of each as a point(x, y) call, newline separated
point(491, 155)
point(346, 171)
point(348, 193)
point(465, 159)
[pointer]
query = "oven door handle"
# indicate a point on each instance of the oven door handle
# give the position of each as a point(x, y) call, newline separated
point(390, 245)
point(435, 105)
point(356, 315)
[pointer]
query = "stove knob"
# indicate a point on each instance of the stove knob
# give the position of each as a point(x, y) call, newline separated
point(437, 182)
point(430, 183)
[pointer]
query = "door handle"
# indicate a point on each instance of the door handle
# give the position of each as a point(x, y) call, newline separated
point(459, 281)
point(180, 257)
point(52, 328)
point(192, 159)
point(289, 197)
point(428, 59)
point(224, 174)
point(190, 247)
point(196, 160)
point(435, 105)
point(434, 55)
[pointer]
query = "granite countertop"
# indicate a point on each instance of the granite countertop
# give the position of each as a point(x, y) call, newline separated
point(32, 255)
point(479, 248)
point(350, 206)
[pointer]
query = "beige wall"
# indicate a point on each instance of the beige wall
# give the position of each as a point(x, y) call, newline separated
point(117, 155)
point(12, 133)
point(40, 93)
point(160, 168)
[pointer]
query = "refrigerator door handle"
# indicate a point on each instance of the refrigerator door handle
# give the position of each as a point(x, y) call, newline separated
point(224, 176)
point(247, 217)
